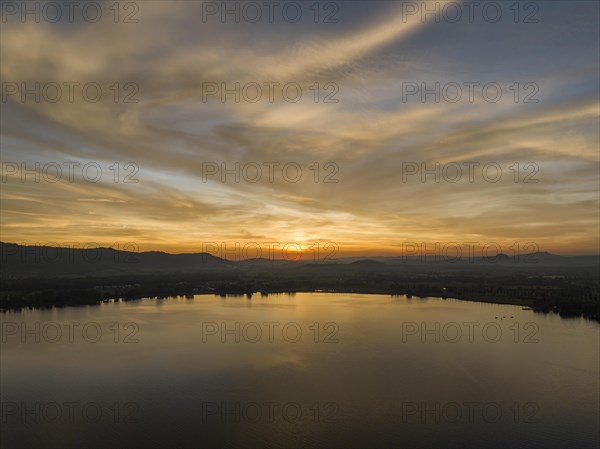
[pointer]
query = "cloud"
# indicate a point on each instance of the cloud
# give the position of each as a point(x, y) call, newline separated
point(361, 141)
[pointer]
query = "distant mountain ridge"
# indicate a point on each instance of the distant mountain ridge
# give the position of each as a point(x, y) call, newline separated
point(21, 261)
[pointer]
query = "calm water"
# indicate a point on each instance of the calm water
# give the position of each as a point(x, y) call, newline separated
point(307, 370)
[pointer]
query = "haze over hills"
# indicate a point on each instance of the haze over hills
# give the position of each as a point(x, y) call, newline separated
point(19, 261)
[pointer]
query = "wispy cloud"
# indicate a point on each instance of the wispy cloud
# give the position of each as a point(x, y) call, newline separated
point(368, 136)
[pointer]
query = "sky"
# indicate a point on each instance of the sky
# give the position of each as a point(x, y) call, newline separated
point(355, 127)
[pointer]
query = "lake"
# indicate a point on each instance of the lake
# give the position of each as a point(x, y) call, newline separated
point(298, 370)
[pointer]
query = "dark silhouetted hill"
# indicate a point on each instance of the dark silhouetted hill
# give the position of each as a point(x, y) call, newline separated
point(20, 261)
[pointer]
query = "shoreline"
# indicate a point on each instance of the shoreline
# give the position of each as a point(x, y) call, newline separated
point(46, 298)
point(480, 299)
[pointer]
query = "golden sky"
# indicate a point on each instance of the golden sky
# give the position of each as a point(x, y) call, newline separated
point(367, 140)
